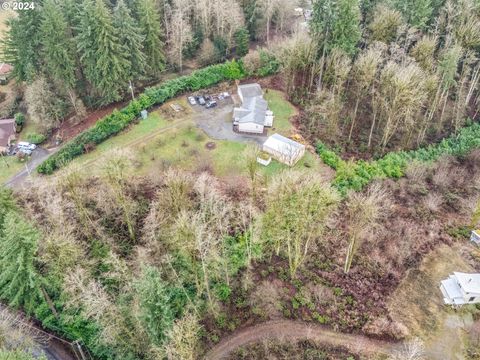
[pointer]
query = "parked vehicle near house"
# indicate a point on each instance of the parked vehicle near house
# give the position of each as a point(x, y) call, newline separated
point(201, 100)
point(192, 100)
point(23, 145)
point(211, 104)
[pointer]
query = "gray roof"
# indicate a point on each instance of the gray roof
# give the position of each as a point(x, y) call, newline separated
point(250, 90)
point(254, 106)
point(7, 129)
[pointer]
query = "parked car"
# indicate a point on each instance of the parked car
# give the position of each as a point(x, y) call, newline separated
point(226, 94)
point(24, 151)
point(208, 98)
point(201, 100)
point(23, 145)
point(191, 100)
point(211, 104)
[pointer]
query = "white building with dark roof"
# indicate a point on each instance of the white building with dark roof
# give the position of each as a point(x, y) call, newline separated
point(284, 149)
point(253, 115)
point(461, 288)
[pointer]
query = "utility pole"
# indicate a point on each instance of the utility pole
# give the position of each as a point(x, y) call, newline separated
point(130, 86)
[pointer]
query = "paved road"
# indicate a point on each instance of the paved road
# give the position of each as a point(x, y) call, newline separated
point(38, 156)
point(289, 330)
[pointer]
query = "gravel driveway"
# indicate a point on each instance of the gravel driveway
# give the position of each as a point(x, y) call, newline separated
point(38, 156)
point(217, 123)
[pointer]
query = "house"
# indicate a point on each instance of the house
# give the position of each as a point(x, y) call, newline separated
point(461, 288)
point(5, 73)
point(253, 115)
point(475, 237)
point(284, 149)
point(7, 134)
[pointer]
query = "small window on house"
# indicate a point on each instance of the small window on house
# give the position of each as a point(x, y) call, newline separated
point(471, 299)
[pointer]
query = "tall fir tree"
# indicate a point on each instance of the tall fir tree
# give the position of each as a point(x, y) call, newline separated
point(21, 46)
point(19, 281)
point(150, 25)
point(102, 54)
point(7, 204)
point(58, 48)
point(336, 24)
point(131, 39)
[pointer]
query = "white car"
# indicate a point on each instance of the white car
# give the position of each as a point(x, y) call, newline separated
point(191, 100)
point(23, 145)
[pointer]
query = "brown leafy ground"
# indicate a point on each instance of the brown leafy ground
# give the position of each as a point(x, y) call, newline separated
point(429, 210)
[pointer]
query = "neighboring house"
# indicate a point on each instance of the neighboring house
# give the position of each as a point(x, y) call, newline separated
point(5, 73)
point(7, 134)
point(461, 288)
point(253, 115)
point(284, 149)
point(475, 237)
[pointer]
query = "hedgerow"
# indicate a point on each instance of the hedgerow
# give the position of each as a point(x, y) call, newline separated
point(118, 120)
point(354, 175)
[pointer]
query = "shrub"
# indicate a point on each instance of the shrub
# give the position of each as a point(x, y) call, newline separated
point(355, 175)
point(35, 138)
point(19, 119)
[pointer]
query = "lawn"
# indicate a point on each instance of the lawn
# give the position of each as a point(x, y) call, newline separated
point(166, 139)
point(9, 166)
point(282, 111)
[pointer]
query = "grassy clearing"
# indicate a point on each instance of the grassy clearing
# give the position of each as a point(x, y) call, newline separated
point(159, 143)
point(282, 110)
point(9, 166)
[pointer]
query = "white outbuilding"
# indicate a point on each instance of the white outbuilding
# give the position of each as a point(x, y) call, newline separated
point(284, 149)
point(475, 237)
point(461, 289)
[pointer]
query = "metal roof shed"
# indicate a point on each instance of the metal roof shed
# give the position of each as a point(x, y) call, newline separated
point(284, 149)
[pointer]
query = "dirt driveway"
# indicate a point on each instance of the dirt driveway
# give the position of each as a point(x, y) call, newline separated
point(217, 122)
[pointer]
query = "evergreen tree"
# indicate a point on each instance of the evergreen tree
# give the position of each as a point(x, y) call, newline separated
point(336, 24)
point(150, 25)
point(18, 277)
point(131, 39)
point(6, 205)
point(58, 48)
point(155, 304)
point(102, 55)
point(21, 46)
point(242, 38)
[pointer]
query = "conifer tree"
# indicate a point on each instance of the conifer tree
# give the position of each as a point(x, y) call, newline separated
point(58, 47)
point(102, 55)
point(22, 43)
point(6, 205)
point(336, 24)
point(242, 38)
point(131, 39)
point(18, 277)
point(150, 25)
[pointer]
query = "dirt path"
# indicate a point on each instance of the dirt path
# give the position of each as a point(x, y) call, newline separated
point(295, 330)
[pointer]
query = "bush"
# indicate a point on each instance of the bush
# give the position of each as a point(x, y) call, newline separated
point(35, 138)
point(118, 120)
point(19, 119)
point(355, 175)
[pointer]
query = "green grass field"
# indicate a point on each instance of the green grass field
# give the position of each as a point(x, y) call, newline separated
point(158, 143)
point(282, 110)
point(9, 166)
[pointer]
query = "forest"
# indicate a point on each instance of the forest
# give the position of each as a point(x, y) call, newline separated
point(167, 264)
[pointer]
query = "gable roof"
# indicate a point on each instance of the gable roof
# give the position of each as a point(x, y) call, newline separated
point(283, 145)
point(5, 68)
point(250, 90)
point(470, 283)
point(254, 106)
point(7, 129)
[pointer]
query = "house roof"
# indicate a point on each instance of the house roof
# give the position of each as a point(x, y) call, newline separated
point(452, 291)
point(250, 90)
point(5, 68)
point(254, 107)
point(7, 129)
point(470, 283)
point(283, 145)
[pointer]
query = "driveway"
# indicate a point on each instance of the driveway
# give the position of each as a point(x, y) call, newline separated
point(217, 123)
point(38, 156)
